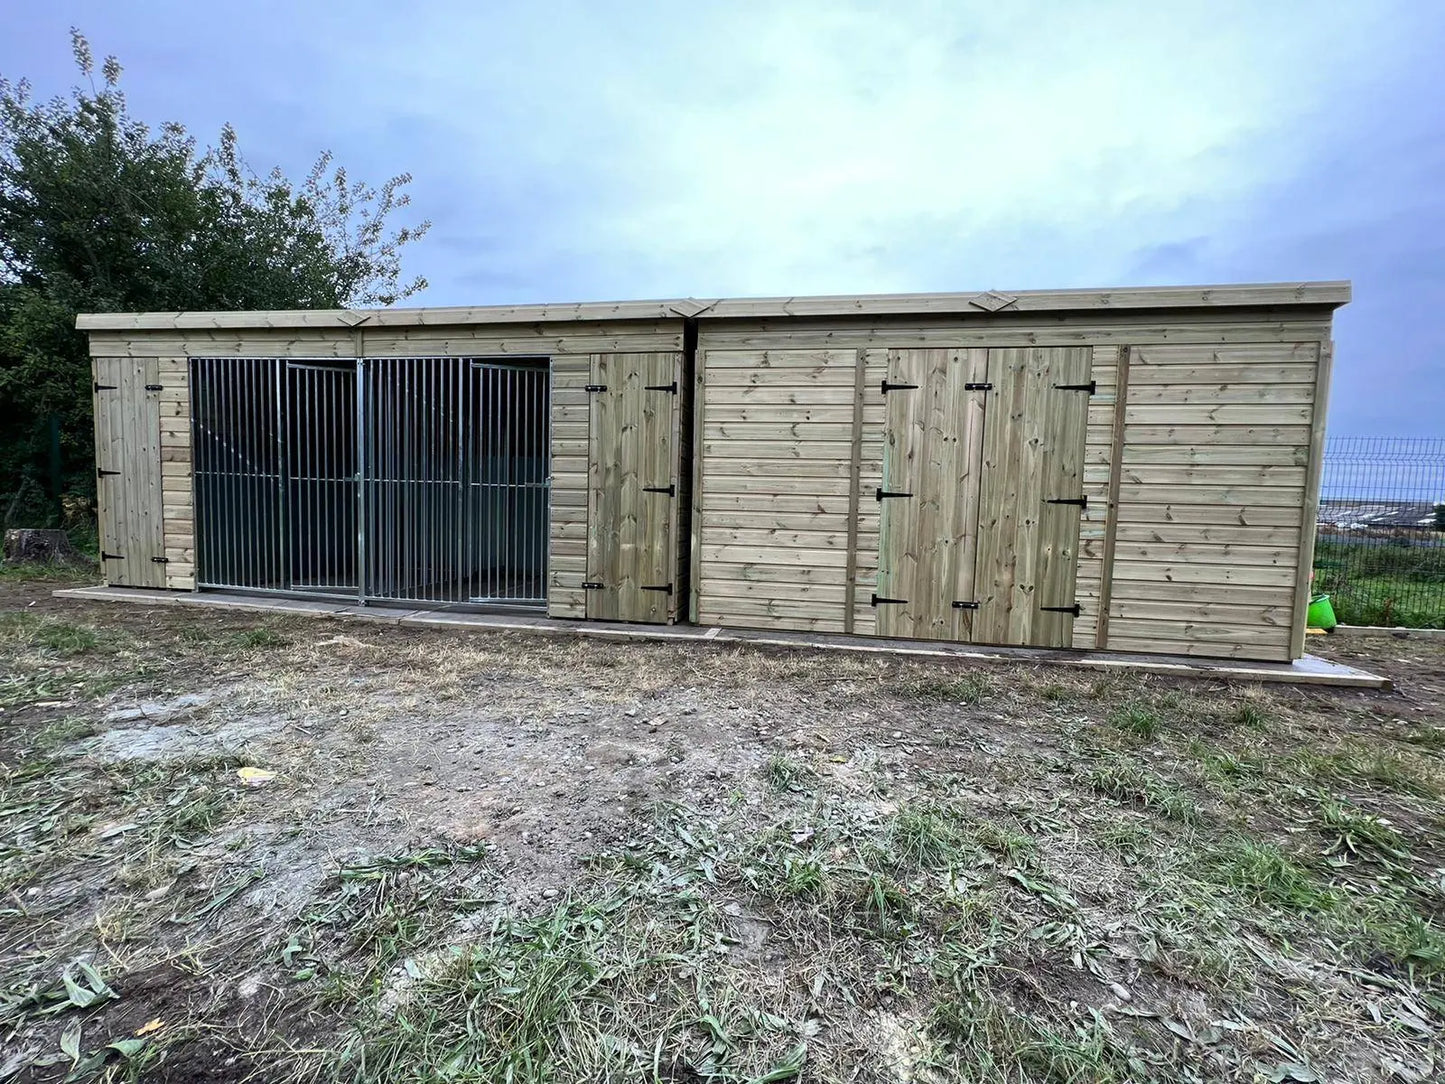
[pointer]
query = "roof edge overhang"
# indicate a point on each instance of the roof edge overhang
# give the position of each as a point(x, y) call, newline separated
point(1330, 294)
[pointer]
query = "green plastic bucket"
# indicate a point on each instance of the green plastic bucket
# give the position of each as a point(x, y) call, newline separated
point(1321, 613)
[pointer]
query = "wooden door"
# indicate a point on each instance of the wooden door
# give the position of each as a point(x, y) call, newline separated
point(929, 498)
point(127, 408)
point(632, 487)
point(1031, 495)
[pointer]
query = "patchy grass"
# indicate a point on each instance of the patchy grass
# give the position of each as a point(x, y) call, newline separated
point(504, 859)
point(1126, 779)
point(1138, 720)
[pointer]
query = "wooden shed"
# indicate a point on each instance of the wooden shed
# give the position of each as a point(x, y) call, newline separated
point(1128, 469)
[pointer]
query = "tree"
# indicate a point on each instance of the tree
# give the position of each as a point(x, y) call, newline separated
point(100, 213)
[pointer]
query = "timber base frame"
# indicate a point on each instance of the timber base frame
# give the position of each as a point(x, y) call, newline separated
point(1307, 671)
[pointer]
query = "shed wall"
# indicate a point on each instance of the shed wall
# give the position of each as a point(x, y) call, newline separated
point(1197, 472)
point(569, 344)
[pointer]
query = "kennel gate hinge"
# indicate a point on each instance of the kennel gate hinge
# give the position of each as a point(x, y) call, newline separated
point(671, 490)
point(665, 588)
point(978, 386)
point(101, 472)
point(879, 600)
point(155, 387)
point(1082, 502)
point(595, 387)
point(111, 556)
point(1091, 387)
point(672, 388)
point(965, 605)
point(106, 387)
point(591, 585)
point(882, 493)
point(160, 560)
point(887, 387)
point(1074, 609)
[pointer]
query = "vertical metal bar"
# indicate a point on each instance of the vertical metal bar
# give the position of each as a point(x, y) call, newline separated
point(359, 485)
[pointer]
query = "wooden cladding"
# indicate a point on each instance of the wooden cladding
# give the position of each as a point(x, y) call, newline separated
point(1209, 547)
point(128, 471)
point(632, 492)
point(1159, 488)
point(1139, 477)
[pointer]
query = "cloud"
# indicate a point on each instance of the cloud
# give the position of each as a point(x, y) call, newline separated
point(631, 149)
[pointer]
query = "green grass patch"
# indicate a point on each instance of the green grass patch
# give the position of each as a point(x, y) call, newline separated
point(258, 639)
point(1136, 719)
point(1126, 780)
point(1352, 831)
point(783, 773)
point(1263, 874)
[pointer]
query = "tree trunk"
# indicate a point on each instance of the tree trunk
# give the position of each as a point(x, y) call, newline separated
point(43, 547)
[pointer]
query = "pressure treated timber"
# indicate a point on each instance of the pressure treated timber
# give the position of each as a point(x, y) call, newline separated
point(934, 457)
point(569, 485)
point(129, 485)
point(1321, 294)
point(1309, 514)
point(778, 431)
point(632, 487)
point(1231, 526)
point(1199, 467)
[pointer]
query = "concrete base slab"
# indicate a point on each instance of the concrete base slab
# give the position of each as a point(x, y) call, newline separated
point(1399, 633)
point(1306, 671)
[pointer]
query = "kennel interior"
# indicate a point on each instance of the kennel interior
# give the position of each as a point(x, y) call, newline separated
point(378, 479)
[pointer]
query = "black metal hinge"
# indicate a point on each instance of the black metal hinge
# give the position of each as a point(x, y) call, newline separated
point(1074, 609)
point(106, 387)
point(978, 386)
point(887, 387)
point(671, 490)
point(101, 472)
point(595, 387)
point(665, 588)
point(1091, 387)
point(590, 586)
point(111, 556)
point(662, 387)
point(882, 493)
point(879, 600)
point(159, 560)
point(1082, 502)
point(965, 605)
point(155, 387)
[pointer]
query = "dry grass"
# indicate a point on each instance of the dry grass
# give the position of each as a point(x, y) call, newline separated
point(506, 859)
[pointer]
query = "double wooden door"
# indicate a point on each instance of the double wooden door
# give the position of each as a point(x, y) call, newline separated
point(982, 494)
point(633, 487)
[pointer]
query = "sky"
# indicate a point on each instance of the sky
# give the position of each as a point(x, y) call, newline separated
point(619, 149)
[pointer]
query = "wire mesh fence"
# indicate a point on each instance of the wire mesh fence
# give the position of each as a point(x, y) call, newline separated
point(1380, 541)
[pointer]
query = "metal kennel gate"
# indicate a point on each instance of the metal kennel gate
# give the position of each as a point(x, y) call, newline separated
point(380, 479)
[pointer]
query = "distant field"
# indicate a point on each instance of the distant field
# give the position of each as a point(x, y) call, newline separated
point(1384, 581)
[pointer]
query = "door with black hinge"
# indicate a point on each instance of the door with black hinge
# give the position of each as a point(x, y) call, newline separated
point(1031, 497)
point(128, 470)
point(928, 529)
point(632, 487)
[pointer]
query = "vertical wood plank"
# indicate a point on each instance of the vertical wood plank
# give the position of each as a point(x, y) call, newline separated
point(1064, 417)
point(1111, 525)
point(850, 584)
point(110, 503)
point(974, 423)
point(1002, 531)
point(1309, 515)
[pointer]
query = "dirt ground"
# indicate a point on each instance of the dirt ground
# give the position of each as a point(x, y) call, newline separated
point(503, 857)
